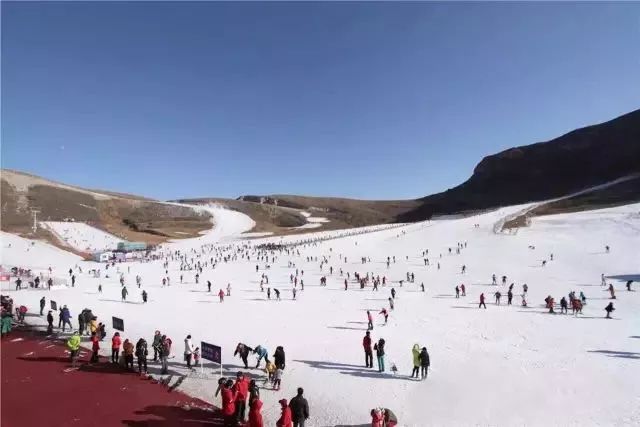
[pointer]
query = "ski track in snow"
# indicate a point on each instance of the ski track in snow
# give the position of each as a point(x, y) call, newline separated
point(505, 365)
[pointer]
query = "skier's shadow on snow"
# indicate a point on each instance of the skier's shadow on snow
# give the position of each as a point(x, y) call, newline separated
point(117, 300)
point(347, 328)
point(353, 370)
point(625, 277)
point(614, 353)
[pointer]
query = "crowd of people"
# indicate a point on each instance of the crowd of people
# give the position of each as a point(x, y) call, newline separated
point(240, 394)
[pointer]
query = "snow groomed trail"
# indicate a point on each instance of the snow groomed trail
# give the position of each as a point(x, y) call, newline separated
point(506, 365)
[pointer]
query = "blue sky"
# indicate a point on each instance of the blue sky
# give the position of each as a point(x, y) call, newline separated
point(366, 100)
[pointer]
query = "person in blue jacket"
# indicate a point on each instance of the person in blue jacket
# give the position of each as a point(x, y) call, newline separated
point(262, 354)
point(65, 314)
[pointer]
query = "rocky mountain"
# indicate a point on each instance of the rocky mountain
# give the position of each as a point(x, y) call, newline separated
point(580, 159)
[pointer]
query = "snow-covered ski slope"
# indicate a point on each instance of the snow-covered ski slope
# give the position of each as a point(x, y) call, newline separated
point(81, 236)
point(503, 366)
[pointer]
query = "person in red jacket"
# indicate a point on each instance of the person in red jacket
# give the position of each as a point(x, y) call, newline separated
point(368, 352)
point(376, 418)
point(115, 347)
point(285, 419)
point(228, 404)
point(255, 416)
point(221, 295)
point(241, 389)
point(482, 304)
point(95, 346)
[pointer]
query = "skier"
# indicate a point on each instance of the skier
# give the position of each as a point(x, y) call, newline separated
point(493, 280)
point(393, 293)
point(425, 362)
point(144, 296)
point(464, 269)
point(208, 286)
point(74, 346)
point(42, 303)
point(243, 350)
point(299, 408)
point(165, 352)
point(262, 354)
point(124, 293)
point(498, 295)
point(416, 360)
point(221, 295)
point(509, 297)
point(285, 419)
point(609, 308)
point(115, 347)
point(141, 354)
point(95, 347)
point(612, 291)
point(49, 323)
point(457, 292)
point(563, 305)
point(368, 353)
point(188, 351)
point(255, 416)
point(228, 402)
point(629, 282)
point(277, 294)
point(277, 378)
point(65, 316)
point(156, 344)
point(379, 348)
point(369, 320)
point(228, 289)
point(127, 349)
point(482, 304)
point(385, 314)
point(293, 291)
point(422, 286)
point(279, 357)
point(241, 388)
point(550, 303)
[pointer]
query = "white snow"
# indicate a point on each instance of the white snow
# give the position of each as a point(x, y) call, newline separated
point(502, 366)
point(307, 225)
point(82, 236)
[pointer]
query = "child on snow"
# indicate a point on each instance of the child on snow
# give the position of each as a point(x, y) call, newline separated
point(196, 356)
point(277, 378)
point(270, 370)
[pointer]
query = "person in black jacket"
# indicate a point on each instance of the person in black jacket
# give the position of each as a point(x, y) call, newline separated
point(243, 350)
point(424, 363)
point(279, 358)
point(49, 323)
point(299, 409)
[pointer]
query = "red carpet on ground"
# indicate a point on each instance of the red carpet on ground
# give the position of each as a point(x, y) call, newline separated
point(38, 389)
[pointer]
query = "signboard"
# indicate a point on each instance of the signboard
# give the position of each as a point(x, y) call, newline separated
point(211, 352)
point(118, 324)
point(54, 305)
